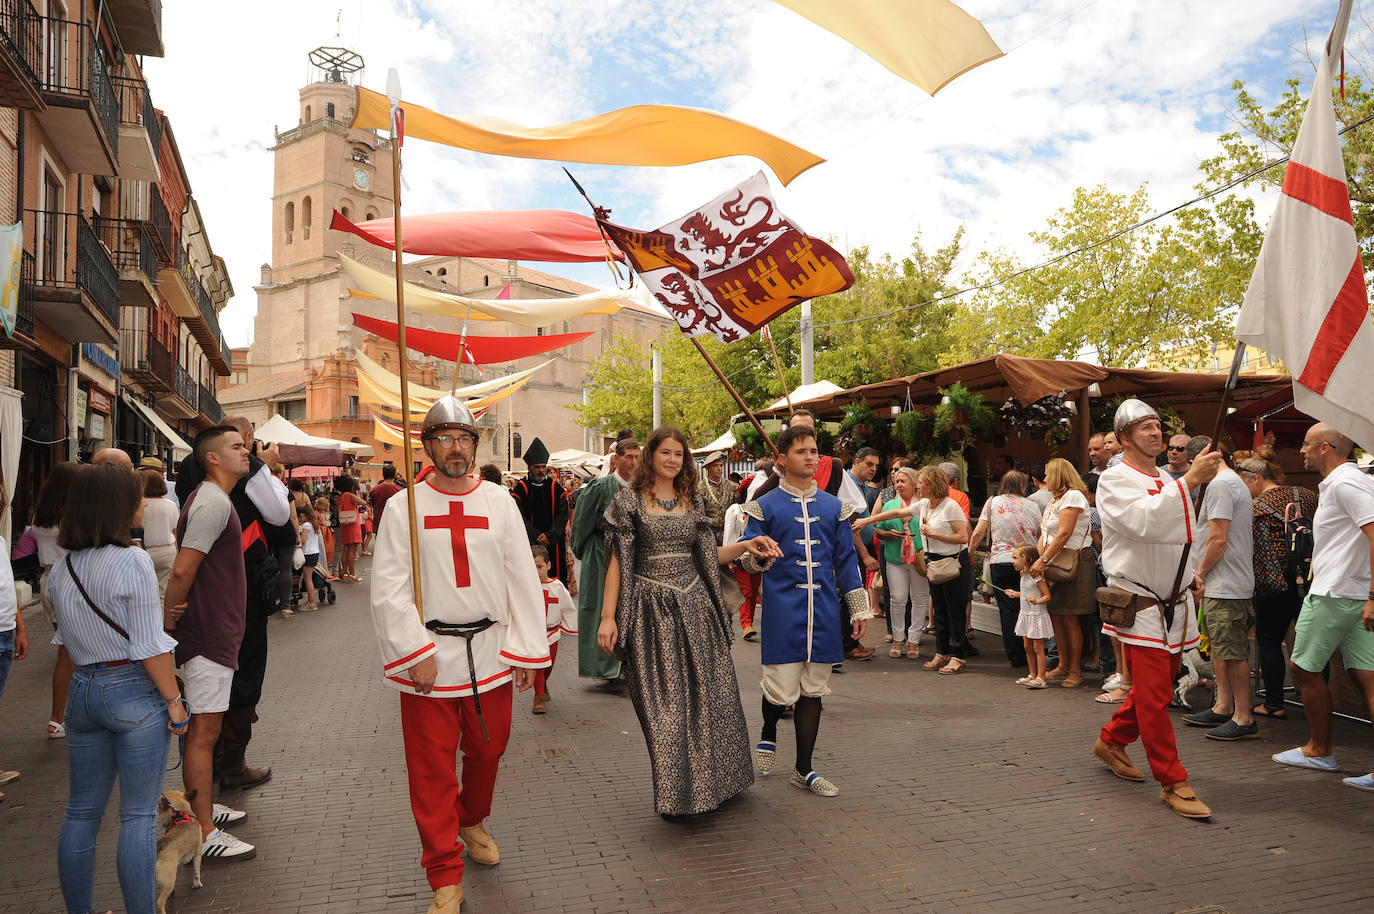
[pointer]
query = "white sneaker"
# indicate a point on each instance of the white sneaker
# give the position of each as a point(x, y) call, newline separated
point(223, 846)
point(1111, 682)
point(223, 815)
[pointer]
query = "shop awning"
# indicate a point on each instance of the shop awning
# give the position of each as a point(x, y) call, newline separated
point(180, 449)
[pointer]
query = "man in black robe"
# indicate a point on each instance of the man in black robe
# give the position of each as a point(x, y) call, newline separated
point(544, 507)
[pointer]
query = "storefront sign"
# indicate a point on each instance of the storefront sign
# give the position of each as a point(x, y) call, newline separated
point(81, 400)
point(96, 428)
point(11, 248)
point(100, 359)
point(100, 401)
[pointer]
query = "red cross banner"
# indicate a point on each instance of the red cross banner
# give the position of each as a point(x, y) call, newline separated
point(731, 266)
point(1307, 302)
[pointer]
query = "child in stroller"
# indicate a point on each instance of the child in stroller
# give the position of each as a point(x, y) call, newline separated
point(311, 579)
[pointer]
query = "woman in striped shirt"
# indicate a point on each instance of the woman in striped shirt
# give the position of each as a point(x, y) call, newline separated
point(123, 699)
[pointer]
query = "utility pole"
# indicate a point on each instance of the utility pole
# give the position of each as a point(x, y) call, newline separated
point(656, 356)
point(808, 345)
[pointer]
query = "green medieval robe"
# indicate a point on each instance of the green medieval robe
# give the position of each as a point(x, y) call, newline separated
point(588, 543)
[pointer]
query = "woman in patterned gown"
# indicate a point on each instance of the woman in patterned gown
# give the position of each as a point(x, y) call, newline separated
point(664, 615)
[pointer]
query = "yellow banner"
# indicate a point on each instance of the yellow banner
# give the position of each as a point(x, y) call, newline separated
point(926, 42)
point(639, 135)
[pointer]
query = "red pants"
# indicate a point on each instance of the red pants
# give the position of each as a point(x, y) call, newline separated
point(1145, 713)
point(541, 677)
point(435, 730)
point(749, 586)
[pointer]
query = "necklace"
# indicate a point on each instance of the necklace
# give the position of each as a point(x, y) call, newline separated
point(669, 504)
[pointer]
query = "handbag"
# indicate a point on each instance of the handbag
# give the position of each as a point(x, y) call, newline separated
point(348, 516)
point(1117, 606)
point(1063, 567)
point(943, 570)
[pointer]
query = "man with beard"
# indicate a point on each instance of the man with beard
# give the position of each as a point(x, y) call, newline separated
point(544, 507)
point(481, 632)
point(589, 545)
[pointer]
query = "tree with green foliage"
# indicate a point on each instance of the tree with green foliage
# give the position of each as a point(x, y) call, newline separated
point(1168, 284)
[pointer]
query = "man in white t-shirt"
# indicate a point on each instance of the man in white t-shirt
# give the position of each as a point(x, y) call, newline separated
point(1226, 566)
point(1338, 610)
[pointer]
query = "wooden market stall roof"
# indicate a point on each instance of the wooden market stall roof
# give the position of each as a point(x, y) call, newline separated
point(1001, 377)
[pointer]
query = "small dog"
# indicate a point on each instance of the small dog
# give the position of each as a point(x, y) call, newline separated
point(178, 842)
point(1193, 670)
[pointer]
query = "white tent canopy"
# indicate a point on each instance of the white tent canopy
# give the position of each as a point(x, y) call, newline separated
point(279, 430)
point(723, 443)
point(807, 392)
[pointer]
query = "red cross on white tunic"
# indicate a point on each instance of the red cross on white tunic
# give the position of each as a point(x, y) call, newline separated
point(549, 600)
point(458, 525)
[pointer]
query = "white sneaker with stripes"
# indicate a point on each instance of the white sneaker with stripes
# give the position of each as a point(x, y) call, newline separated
point(223, 846)
point(224, 815)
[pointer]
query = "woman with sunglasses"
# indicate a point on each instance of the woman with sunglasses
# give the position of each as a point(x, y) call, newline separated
point(123, 699)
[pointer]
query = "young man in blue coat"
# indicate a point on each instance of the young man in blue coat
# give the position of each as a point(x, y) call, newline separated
point(809, 595)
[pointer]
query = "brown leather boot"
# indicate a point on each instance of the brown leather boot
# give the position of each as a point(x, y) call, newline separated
point(481, 845)
point(540, 703)
point(1115, 758)
point(447, 900)
point(1182, 800)
point(244, 778)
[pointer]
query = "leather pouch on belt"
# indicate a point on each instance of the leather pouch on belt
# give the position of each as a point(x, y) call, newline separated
point(1118, 606)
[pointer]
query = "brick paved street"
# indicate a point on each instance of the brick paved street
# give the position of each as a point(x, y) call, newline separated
point(962, 792)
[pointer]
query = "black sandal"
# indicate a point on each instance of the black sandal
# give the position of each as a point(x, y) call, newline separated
point(1263, 711)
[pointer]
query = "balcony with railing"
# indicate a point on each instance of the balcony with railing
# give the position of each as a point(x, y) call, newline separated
point(140, 131)
point(21, 55)
point(130, 244)
point(189, 300)
point(139, 23)
point(144, 360)
point(75, 283)
point(23, 319)
point(209, 406)
point(80, 113)
point(184, 401)
point(164, 235)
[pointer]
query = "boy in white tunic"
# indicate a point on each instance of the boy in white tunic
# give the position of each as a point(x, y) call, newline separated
point(482, 631)
point(1147, 518)
point(560, 617)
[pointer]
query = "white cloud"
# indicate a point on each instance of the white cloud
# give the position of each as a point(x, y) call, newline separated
point(1119, 93)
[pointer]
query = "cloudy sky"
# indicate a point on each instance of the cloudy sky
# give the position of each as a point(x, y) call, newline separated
point(1115, 92)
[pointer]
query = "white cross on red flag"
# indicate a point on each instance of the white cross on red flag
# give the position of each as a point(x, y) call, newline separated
point(1307, 302)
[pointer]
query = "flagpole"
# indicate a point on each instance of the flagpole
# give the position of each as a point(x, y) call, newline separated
point(393, 86)
point(738, 399)
point(777, 363)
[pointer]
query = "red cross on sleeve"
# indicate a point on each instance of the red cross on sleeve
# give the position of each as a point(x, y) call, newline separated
point(458, 525)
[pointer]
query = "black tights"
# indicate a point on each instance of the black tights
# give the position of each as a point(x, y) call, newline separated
point(806, 720)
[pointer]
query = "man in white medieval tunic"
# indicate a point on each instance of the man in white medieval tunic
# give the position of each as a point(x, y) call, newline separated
point(482, 632)
point(1147, 517)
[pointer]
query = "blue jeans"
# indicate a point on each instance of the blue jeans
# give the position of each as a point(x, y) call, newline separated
point(6, 656)
point(116, 725)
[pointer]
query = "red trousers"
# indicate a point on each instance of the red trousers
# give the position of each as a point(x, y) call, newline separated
point(1145, 712)
point(435, 731)
point(541, 677)
point(749, 585)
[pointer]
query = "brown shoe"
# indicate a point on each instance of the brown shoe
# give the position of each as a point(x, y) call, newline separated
point(936, 662)
point(244, 778)
point(1182, 800)
point(540, 703)
point(481, 846)
point(447, 900)
point(859, 653)
point(1115, 758)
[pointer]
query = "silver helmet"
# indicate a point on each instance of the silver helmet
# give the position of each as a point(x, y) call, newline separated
point(1130, 412)
point(448, 412)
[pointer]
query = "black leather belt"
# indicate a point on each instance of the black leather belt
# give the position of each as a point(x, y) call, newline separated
point(466, 631)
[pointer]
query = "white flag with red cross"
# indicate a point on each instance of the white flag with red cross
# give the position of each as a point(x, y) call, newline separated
point(1307, 302)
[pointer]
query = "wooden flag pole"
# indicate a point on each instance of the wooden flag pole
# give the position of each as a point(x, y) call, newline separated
point(393, 83)
point(777, 363)
point(738, 399)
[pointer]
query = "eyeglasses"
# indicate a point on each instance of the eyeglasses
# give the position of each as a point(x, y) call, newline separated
point(451, 440)
point(1179, 449)
point(1311, 444)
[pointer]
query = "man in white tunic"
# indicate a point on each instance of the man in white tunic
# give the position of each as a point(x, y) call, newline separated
point(1147, 518)
point(482, 631)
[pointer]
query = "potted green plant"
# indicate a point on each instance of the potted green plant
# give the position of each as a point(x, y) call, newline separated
point(962, 414)
point(910, 429)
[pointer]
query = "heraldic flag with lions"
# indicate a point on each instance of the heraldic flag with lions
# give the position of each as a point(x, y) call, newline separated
point(731, 266)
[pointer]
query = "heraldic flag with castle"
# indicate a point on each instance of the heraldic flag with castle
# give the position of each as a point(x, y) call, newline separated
point(731, 266)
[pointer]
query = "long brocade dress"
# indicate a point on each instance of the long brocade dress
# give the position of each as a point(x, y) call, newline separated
point(674, 640)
